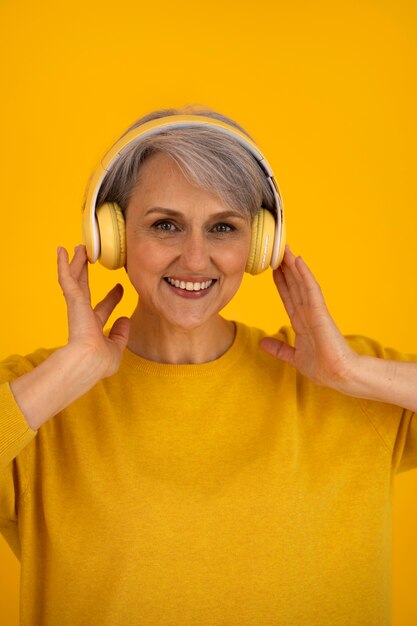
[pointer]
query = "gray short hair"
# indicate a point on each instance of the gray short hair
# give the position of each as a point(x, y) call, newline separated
point(207, 157)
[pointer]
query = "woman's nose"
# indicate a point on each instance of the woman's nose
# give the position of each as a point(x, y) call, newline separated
point(194, 253)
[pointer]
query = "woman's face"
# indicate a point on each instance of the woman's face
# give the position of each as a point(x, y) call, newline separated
point(186, 250)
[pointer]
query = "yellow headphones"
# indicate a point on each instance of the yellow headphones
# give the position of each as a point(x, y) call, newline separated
point(104, 232)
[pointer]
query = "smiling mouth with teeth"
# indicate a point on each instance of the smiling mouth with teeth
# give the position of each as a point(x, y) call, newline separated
point(189, 286)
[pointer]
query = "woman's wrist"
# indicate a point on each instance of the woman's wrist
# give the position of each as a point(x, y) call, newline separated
point(363, 377)
point(61, 379)
point(383, 380)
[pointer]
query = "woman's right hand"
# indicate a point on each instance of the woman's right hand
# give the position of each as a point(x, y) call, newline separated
point(85, 323)
point(71, 371)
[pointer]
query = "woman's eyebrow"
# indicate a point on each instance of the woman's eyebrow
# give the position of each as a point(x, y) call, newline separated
point(221, 215)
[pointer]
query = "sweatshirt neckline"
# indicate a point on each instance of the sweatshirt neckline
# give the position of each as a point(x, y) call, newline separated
point(138, 364)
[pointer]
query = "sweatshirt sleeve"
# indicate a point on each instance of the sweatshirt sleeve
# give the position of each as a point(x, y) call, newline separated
point(396, 426)
point(15, 432)
point(15, 435)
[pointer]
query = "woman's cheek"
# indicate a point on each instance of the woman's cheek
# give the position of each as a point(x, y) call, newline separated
point(236, 256)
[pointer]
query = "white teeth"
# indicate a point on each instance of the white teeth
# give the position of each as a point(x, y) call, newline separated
point(189, 286)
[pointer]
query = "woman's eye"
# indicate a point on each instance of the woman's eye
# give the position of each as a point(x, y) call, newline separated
point(164, 226)
point(223, 228)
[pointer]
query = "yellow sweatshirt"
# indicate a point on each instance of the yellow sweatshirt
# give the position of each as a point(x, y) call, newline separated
point(232, 493)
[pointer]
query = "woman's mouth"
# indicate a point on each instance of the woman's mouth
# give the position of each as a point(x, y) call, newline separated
point(188, 285)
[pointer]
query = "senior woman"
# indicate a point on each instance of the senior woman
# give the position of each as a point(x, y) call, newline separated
point(170, 471)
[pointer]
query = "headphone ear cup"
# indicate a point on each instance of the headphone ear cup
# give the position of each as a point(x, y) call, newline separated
point(282, 243)
point(112, 230)
point(262, 242)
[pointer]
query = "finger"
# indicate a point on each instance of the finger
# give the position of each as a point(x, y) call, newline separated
point(295, 299)
point(64, 274)
point(79, 268)
point(105, 308)
point(278, 349)
point(284, 292)
point(120, 332)
point(292, 277)
point(314, 297)
point(78, 262)
point(311, 289)
point(289, 257)
point(290, 267)
point(71, 286)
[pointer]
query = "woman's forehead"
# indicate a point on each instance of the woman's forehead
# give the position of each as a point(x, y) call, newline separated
point(159, 165)
point(162, 181)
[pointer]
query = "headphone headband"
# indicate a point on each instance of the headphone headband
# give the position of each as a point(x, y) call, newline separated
point(91, 234)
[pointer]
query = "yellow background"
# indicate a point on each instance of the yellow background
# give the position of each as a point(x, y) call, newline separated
point(327, 89)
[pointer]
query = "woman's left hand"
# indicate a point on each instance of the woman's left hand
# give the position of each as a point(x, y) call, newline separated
point(320, 351)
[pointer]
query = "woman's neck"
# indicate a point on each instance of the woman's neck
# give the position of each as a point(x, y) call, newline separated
point(154, 339)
